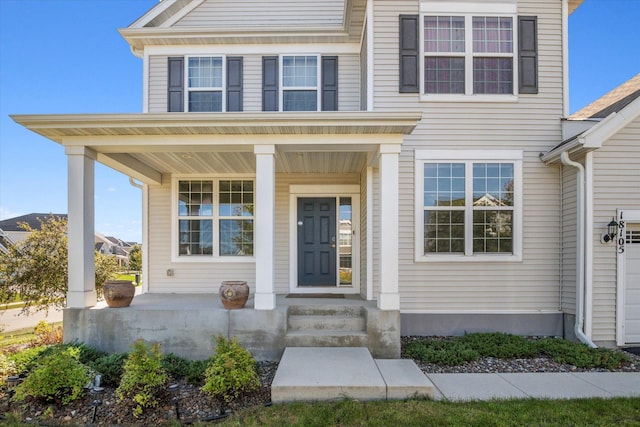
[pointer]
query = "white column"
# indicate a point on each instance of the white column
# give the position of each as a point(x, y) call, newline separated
point(389, 298)
point(264, 229)
point(82, 290)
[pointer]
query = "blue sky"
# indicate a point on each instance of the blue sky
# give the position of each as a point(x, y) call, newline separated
point(65, 56)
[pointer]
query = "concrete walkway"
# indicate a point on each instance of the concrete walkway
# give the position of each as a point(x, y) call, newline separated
point(330, 373)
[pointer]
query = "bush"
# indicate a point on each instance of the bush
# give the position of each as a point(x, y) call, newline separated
point(502, 346)
point(26, 360)
point(196, 373)
point(449, 353)
point(143, 378)
point(231, 371)
point(579, 355)
point(7, 368)
point(176, 366)
point(111, 367)
point(59, 377)
point(47, 334)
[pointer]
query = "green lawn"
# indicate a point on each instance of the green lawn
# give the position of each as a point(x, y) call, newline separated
point(530, 412)
point(20, 336)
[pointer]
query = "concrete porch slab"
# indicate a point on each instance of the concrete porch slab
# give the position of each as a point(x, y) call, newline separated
point(329, 373)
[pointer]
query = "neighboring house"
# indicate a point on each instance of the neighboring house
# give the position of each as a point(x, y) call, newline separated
point(600, 187)
point(12, 229)
point(5, 241)
point(264, 124)
point(108, 245)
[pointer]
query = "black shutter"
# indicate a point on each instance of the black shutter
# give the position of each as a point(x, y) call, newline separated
point(409, 54)
point(269, 83)
point(528, 54)
point(329, 83)
point(175, 84)
point(234, 83)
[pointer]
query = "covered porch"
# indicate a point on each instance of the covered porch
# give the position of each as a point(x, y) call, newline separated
point(346, 158)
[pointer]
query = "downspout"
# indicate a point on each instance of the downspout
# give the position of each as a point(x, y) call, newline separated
point(580, 249)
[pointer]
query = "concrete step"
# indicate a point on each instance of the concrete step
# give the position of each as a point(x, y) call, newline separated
point(326, 323)
point(325, 338)
point(329, 373)
point(326, 310)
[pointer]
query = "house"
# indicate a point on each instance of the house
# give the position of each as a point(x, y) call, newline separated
point(271, 131)
point(109, 245)
point(600, 188)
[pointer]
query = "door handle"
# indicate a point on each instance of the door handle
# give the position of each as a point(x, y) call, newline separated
point(333, 241)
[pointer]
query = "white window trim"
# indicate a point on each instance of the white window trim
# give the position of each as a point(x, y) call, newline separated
point(468, 11)
point(317, 88)
point(425, 156)
point(188, 89)
point(215, 256)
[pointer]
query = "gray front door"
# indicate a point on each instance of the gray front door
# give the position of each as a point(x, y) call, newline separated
point(316, 241)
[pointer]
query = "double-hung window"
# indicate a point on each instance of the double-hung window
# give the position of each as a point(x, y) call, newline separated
point(468, 205)
point(468, 55)
point(300, 82)
point(205, 83)
point(214, 218)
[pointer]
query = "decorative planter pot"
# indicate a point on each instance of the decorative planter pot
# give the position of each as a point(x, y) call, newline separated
point(234, 294)
point(118, 293)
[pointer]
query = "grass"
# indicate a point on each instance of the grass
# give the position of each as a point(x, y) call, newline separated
point(529, 412)
point(20, 336)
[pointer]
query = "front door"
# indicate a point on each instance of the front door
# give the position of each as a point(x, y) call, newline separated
point(632, 285)
point(317, 241)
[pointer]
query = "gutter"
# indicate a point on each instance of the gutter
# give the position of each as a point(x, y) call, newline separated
point(580, 249)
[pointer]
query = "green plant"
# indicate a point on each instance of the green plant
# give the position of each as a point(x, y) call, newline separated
point(59, 377)
point(176, 366)
point(26, 360)
point(231, 371)
point(441, 352)
point(579, 355)
point(500, 345)
point(111, 367)
point(143, 378)
point(47, 334)
point(7, 368)
point(196, 373)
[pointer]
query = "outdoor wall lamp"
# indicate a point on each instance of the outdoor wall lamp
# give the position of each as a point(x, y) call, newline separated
point(175, 398)
point(612, 231)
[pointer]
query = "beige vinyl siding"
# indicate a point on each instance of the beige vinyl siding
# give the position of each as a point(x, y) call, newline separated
point(568, 239)
point(532, 124)
point(282, 13)
point(348, 84)
point(157, 100)
point(616, 186)
point(188, 277)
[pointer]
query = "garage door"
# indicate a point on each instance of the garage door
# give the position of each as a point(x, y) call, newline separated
point(632, 285)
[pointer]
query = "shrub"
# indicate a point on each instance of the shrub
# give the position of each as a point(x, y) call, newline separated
point(111, 367)
point(502, 346)
point(231, 371)
point(26, 360)
point(88, 354)
point(59, 377)
point(196, 373)
point(143, 378)
point(7, 368)
point(579, 355)
point(47, 334)
point(450, 353)
point(176, 366)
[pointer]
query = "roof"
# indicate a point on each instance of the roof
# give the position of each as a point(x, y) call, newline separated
point(612, 102)
point(615, 110)
point(33, 219)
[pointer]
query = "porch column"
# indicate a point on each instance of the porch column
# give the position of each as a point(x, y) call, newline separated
point(389, 298)
point(81, 287)
point(265, 297)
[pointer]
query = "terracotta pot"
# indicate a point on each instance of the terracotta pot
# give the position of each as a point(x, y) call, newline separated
point(118, 293)
point(234, 294)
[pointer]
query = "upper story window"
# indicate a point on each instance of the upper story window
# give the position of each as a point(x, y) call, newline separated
point(468, 55)
point(205, 87)
point(468, 205)
point(476, 51)
point(300, 83)
point(205, 83)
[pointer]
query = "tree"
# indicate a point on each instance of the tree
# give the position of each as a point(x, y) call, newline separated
point(135, 258)
point(35, 270)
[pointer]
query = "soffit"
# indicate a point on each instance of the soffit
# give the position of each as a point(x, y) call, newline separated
point(60, 127)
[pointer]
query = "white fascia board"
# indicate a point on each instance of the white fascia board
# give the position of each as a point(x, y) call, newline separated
point(252, 49)
point(469, 7)
point(182, 13)
point(152, 14)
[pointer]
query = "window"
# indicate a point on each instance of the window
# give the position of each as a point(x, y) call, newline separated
point(205, 84)
point(468, 55)
point(300, 83)
point(468, 206)
point(214, 218)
